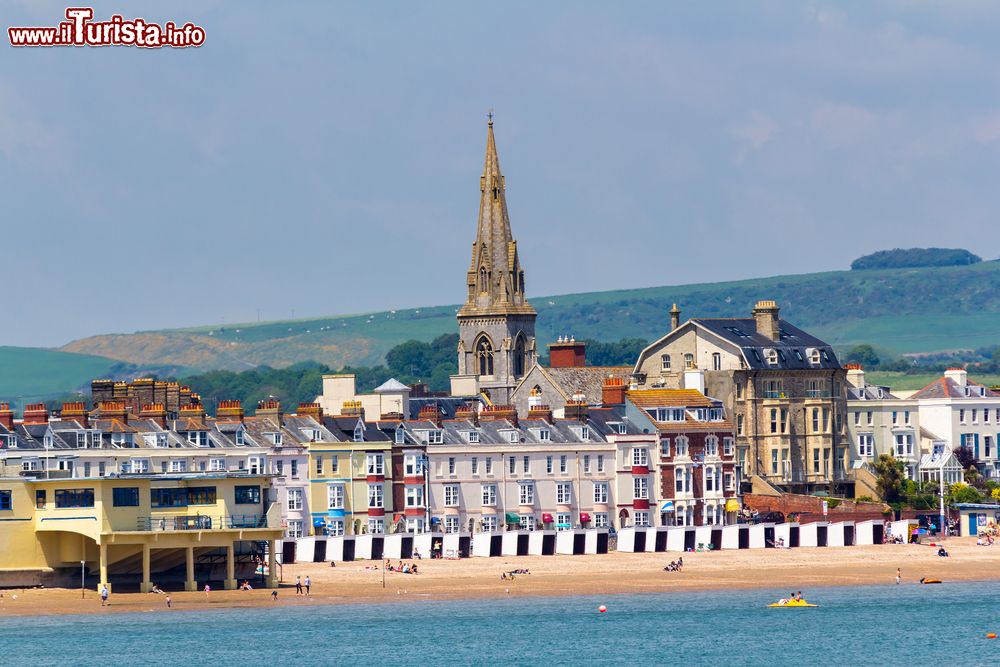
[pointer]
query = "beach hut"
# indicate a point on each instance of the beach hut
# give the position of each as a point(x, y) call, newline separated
point(542, 543)
point(651, 534)
point(565, 542)
point(626, 540)
point(706, 535)
point(423, 543)
point(865, 532)
point(304, 548)
point(486, 545)
point(456, 545)
point(363, 547)
point(596, 541)
point(319, 552)
point(730, 537)
point(392, 547)
point(675, 538)
point(840, 534)
point(690, 541)
point(903, 528)
point(335, 548)
point(783, 534)
point(660, 539)
point(758, 538)
point(813, 534)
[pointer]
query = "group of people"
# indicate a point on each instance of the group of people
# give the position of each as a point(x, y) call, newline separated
point(405, 568)
point(301, 586)
point(510, 574)
point(792, 597)
point(674, 565)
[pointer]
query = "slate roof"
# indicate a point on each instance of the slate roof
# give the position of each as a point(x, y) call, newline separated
point(870, 392)
point(945, 387)
point(791, 346)
point(587, 380)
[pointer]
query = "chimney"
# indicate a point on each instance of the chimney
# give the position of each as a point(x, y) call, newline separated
point(271, 408)
point(675, 317)
point(765, 315)
point(959, 375)
point(432, 413)
point(613, 391)
point(6, 416)
point(155, 412)
point(192, 411)
point(855, 375)
point(567, 353)
point(539, 411)
point(576, 407)
point(110, 410)
point(183, 397)
point(352, 409)
point(102, 390)
point(119, 391)
point(229, 411)
point(467, 412)
point(76, 411)
point(314, 410)
point(499, 412)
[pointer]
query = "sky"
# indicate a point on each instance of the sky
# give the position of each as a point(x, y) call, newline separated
point(323, 158)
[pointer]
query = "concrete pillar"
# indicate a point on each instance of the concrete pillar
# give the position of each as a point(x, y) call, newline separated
point(190, 584)
point(230, 583)
point(103, 565)
point(272, 564)
point(146, 585)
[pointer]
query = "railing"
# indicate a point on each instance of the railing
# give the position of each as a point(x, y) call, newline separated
point(808, 393)
point(178, 522)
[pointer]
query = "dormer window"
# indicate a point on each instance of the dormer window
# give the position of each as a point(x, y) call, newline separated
point(584, 432)
point(240, 437)
point(49, 440)
point(814, 356)
point(359, 433)
point(161, 440)
point(435, 437)
point(274, 438)
point(196, 438)
point(544, 435)
point(772, 356)
point(618, 427)
point(8, 441)
point(472, 437)
point(121, 439)
point(512, 436)
point(312, 434)
point(400, 436)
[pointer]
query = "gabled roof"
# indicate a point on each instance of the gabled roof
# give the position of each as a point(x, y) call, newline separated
point(392, 385)
point(663, 398)
point(587, 380)
point(945, 387)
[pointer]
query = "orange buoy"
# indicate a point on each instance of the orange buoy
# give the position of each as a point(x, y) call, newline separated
point(991, 635)
point(603, 609)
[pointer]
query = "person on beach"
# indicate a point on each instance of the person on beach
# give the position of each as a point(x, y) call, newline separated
point(298, 585)
point(274, 595)
point(308, 584)
point(899, 576)
point(104, 595)
point(208, 589)
point(168, 601)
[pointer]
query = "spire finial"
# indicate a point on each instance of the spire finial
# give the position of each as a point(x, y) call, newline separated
point(489, 117)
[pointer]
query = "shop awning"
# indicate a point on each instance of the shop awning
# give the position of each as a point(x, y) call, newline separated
point(547, 518)
point(510, 517)
point(435, 519)
point(666, 505)
point(732, 505)
point(584, 517)
point(319, 522)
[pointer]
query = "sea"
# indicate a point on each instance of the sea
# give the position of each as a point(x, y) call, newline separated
point(884, 625)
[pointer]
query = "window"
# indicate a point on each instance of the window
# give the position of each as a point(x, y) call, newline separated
point(512, 465)
point(334, 527)
point(6, 502)
point(961, 416)
point(784, 420)
point(689, 361)
point(335, 496)
point(544, 435)
point(986, 416)
point(774, 461)
point(489, 495)
point(66, 498)
point(857, 418)
point(600, 463)
point(640, 488)
point(489, 465)
point(216, 465)
point(279, 467)
point(906, 416)
point(376, 525)
point(451, 465)
point(584, 433)
point(739, 424)
point(512, 436)
point(665, 447)
point(473, 436)
point(527, 521)
point(334, 465)
point(178, 465)
point(680, 446)
point(196, 438)
point(359, 432)
point(247, 495)
point(711, 446)
point(435, 437)
point(600, 520)
point(710, 480)
point(400, 436)
point(475, 465)
point(729, 480)
point(548, 464)
point(815, 461)
point(201, 495)
point(564, 493)
point(375, 495)
point(727, 446)
point(136, 466)
point(414, 496)
point(987, 445)
point(601, 492)
point(975, 420)
point(375, 464)
point(240, 438)
point(641, 519)
point(294, 531)
point(640, 457)
point(294, 499)
point(451, 524)
point(866, 445)
point(586, 464)
point(904, 444)
point(815, 419)
point(774, 420)
point(772, 356)
point(665, 362)
point(870, 418)
point(562, 463)
point(319, 465)
point(895, 417)
point(526, 494)
point(413, 465)
point(451, 495)
point(255, 464)
point(716, 361)
point(526, 464)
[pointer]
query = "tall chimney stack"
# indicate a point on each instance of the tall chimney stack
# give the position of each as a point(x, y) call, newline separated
point(765, 315)
point(675, 317)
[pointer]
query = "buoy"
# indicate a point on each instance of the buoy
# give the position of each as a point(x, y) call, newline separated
point(602, 609)
point(991, 635)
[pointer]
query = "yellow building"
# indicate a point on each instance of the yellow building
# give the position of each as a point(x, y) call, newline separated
point(147, 523)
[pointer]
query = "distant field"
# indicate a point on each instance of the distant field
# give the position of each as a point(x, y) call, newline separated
point(28, 373)
point(905, 382)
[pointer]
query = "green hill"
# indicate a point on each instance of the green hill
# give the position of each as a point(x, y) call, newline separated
point(29, 373)
point(902, 310)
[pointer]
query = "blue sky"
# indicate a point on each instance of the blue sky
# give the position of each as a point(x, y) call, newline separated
point(324, 158)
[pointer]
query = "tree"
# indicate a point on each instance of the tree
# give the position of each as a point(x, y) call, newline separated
point(863, 354)
point(966, 457)
point(963, 493)
point(889, 473)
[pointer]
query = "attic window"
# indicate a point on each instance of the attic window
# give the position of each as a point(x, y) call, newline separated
point(772, 356)
point(544, 435)
point(240, 437)
point(737, 331)
point(359, 433)
point(826, 355)
point(400, 436)
point(798, 355)
point(275, 438)
point(512, 436)
point(814, 355)
point(311, 433)
point(472, 436)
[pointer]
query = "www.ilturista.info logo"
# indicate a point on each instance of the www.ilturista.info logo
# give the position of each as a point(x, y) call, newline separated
point(80, 30)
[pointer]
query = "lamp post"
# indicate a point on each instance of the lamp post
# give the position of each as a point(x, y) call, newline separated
point(941, 525)
point(83, 584)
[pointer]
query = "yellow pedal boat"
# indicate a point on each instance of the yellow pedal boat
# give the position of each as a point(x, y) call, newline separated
point(793, 603)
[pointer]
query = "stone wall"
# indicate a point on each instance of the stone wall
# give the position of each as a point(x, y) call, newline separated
point(811, 507)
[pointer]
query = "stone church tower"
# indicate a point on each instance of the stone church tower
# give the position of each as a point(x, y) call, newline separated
point(497, 324)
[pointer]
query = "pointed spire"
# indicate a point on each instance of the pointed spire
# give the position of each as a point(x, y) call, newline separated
point(495, 278)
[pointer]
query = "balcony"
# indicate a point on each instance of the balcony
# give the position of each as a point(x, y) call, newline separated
point(170, 523)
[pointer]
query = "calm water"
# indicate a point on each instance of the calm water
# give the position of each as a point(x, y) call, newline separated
point(908, 624)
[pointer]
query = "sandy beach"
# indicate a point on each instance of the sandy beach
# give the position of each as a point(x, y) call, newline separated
point(361, 582)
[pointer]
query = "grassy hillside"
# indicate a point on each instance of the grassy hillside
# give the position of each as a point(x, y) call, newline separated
point(28, 373)
point(902, 310)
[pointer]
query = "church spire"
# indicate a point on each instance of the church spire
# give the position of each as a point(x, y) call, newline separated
point(495, 278)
